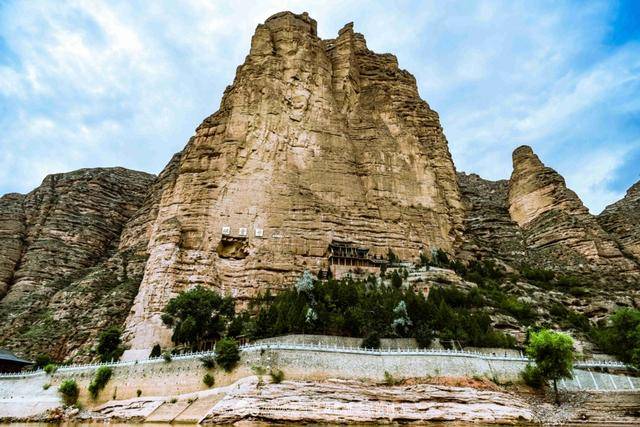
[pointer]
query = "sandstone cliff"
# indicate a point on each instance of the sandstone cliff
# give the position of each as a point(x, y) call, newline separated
point(559, 231)
point(62, 278)
point(315, 140)
point(622, 220)
point(489, 230)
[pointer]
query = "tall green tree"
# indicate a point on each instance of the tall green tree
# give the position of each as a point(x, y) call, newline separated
point(109, 341)
point(197, 316)
point(553, 355)
point(621, 335)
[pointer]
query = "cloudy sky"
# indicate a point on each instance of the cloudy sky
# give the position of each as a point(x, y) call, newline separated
point(89, 83)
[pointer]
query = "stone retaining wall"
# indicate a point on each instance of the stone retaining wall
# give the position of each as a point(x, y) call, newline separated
point(184, 374)
point(314, 364)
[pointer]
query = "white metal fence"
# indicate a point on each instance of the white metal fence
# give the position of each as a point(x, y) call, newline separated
point(319, 348)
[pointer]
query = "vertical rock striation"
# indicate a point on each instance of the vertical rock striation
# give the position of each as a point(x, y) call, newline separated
point(60, 264)
point(12, 236)
point(315, 140)
point(489, 231)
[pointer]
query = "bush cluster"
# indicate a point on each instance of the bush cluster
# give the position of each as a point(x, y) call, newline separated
point(276, 376)
point(51, 368)
point(366, 309)
point(208, 380)
point(69, 391)
point(208, 362)
point(100, 380)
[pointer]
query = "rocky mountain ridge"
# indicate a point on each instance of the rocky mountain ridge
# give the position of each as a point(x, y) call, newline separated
point(315, 140)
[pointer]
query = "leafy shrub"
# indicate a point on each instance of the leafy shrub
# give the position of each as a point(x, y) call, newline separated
point(568, 281)
point(276, 376)
point(69, 391)
point(578, 291)
point(46, 386)
point(537, 275)
point(227, 353)
point(208, 362)
point(390, 380)
point(531, 376)
point(109, 347)
point(43, 360)
point(208, 380)
point(138, 392)
point(156, 351)
point(371, 341)
point(167, 357)
point(51, 368)
point(100, 380)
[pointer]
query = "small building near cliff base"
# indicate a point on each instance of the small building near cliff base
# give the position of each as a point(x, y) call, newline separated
point(346, 257)
point(9, 362)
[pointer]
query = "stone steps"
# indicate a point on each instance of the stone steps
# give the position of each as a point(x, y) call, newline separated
point(167, 412)
point(198, 409)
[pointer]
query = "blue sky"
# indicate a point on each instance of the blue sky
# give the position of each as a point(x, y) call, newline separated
point(86, 84)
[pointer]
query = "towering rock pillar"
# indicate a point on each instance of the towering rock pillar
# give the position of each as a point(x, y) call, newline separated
point(315, 140)
point(558, 228)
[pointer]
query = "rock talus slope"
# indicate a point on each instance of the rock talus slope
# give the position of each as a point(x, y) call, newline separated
point(315, 140)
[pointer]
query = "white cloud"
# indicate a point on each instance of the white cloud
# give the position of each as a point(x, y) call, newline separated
point(125, 83)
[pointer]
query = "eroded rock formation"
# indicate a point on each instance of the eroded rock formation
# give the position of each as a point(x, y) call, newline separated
point(61, 269)
point(315, 140)
point(559, 231)
point(622, 220)
point(489, 230)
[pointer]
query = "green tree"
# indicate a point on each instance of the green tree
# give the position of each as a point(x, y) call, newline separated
point(392, 257)
point(109, 341)
point(227, 353)
point(197, 316)
point(553, 356)
point(621, 335)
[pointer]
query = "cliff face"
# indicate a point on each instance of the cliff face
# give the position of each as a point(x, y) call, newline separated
point(559, 230)
point(489, 229)
point(622, 220)
point(315, 140)
point(60, 263)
